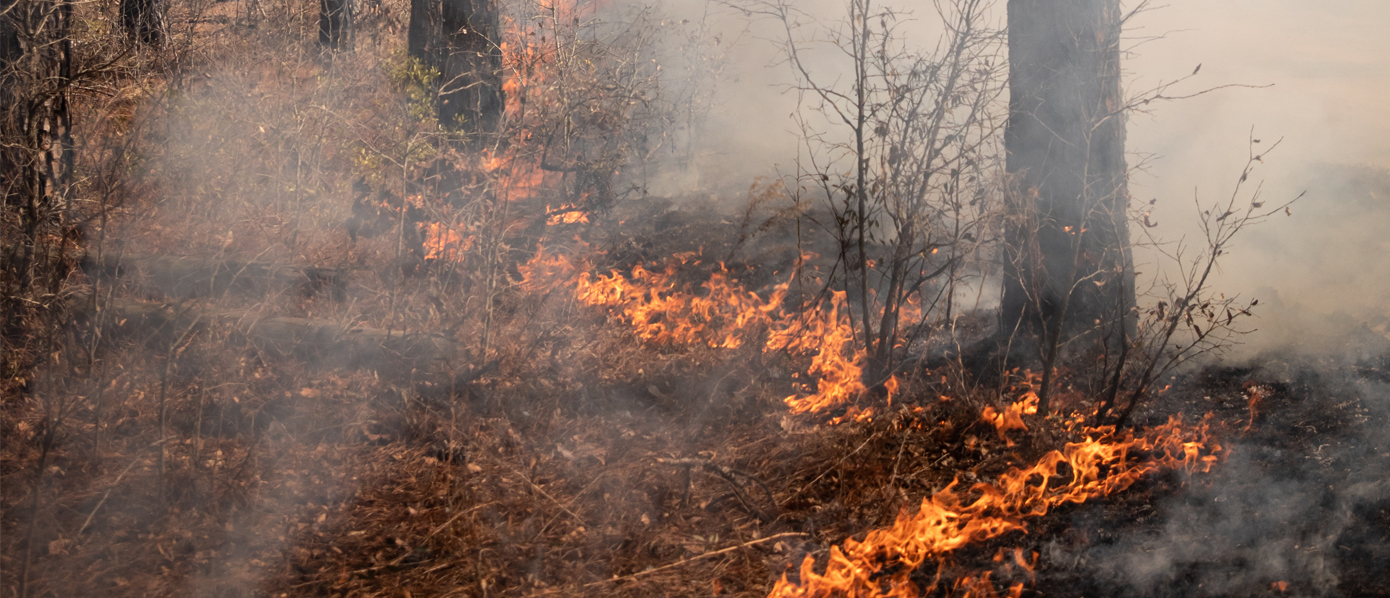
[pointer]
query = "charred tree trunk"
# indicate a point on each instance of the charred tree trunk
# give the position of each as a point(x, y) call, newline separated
point(1068, 272)
point(460, 39)
point(335, 24)
point(143, 20)
point(36, 162)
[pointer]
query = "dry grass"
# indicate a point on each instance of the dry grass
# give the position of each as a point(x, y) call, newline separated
point(536, 462)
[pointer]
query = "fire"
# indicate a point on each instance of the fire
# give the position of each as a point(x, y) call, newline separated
point(1255, 394)
point(825, 335)
point(720, 313)
point(566, 214)
point(1104, 463)
point(662, 312)
point(723, 313)
point(444, 242)
point(546, 269)
point(1011, 418)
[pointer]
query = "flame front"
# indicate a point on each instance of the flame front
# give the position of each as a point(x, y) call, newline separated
point(881, 565)
point(721, 313)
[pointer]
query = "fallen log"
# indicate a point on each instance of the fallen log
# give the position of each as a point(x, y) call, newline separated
point(321, 343)
point(190, 277)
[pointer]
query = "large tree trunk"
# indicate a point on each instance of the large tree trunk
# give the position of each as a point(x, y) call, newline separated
point(460, 39)
point(1069, 273)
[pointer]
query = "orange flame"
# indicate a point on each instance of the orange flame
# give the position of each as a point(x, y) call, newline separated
point(443, 242)
point(547, 269)
point(1255, 395)
point(662, 313)
point(1011, 418)
point(566, 214)
point(826, 335)
point(955, 517)
point(720, 313)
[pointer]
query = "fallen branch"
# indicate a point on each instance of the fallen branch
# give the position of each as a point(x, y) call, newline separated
point(321, 342)
point(190, 276)
point(678, 563)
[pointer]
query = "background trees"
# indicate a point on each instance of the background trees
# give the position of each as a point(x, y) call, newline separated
point(901, 158)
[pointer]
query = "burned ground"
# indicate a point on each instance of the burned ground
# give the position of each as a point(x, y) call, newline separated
point(587, 463)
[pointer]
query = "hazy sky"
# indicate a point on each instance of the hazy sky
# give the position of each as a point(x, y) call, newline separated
point(1328, 67)
point(1328, 62)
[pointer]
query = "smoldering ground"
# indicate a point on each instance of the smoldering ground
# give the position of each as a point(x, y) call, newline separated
point(1301, 505)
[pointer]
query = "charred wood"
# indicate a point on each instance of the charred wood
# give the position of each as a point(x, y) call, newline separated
point(188, 276)
point(321, 343)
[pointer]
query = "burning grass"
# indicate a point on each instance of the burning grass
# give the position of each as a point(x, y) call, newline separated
point(632, 409)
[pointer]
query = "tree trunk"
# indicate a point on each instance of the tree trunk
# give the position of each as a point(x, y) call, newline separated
point(460, 39)
point(35, 161)
point(335, 24)
point(1068, 271)
point(143, 20)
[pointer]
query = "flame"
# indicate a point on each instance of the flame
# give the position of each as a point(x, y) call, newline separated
point(662, 312)
point(955, 517)
point(546, 269)
point(566, 214)
point(721, 313)
point(1255, 395)
point(1011, 418)
point(825, 335)
point(444, 242)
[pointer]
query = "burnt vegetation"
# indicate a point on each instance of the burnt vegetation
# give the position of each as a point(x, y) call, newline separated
point(432, 298)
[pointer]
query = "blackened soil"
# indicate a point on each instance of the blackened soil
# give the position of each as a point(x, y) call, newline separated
point(1301, 505)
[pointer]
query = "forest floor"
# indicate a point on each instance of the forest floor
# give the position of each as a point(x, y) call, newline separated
point(601, 465)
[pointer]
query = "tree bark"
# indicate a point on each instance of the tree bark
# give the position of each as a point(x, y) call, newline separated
point(36, 160)
point(1068, 271)
point(460, 39)
point(144, 20)
point(335, 24)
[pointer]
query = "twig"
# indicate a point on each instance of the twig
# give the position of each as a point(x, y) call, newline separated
point(118, 481)
point(455, 518)
point(398, 560)
point(679, 563)
point(552, 498)
point(729, 475)
point(832, 468)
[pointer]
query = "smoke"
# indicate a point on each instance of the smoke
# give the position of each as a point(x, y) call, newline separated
point(1303, 504)
point(1325, 72)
